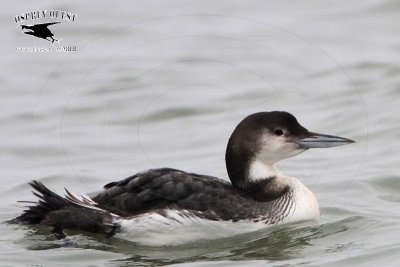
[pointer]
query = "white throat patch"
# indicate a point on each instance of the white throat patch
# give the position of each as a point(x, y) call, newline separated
point(260, 170)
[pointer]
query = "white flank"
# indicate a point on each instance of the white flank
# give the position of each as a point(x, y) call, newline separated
point(178, 227)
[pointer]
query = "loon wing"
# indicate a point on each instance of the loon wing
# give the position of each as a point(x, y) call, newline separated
point(169, 188)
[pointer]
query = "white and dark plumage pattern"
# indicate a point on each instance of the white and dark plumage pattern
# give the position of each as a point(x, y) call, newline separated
point(169, 206)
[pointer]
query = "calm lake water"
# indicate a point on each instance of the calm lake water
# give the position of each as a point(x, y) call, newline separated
point(163, 83)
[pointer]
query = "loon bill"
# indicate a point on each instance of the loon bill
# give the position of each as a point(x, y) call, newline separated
point(156, 205)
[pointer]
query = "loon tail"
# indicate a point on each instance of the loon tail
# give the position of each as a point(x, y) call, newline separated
point(70, 212)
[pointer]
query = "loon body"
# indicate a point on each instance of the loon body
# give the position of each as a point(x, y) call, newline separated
point(169, 206)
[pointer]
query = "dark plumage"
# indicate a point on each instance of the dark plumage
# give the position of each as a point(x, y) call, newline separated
point(56, 211)
point(153, 190)
point(206, 196)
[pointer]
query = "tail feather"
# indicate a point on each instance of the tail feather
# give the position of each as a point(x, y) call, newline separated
point(71, 212)
point(48, 201)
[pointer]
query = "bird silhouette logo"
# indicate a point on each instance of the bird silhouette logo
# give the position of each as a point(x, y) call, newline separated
point(40, 31)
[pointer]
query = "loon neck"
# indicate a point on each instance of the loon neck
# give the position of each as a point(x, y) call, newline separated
point(259, 180)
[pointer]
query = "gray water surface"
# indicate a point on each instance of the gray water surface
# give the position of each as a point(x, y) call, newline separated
point(163, 83)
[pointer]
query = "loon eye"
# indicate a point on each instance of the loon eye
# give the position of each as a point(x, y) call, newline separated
point(278, 132)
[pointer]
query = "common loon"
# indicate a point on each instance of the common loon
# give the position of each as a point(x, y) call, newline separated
point(169, 206)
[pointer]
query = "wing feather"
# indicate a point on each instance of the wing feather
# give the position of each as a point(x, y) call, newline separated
point(162, 188)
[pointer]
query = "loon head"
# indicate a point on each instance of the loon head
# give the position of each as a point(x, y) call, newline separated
point(262, 139)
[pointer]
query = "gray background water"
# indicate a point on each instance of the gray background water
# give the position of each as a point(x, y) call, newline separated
point(163, 83)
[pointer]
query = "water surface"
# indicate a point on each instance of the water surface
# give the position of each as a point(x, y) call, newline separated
point(161, 83)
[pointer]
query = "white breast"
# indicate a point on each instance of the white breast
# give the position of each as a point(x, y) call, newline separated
point(306, 205)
